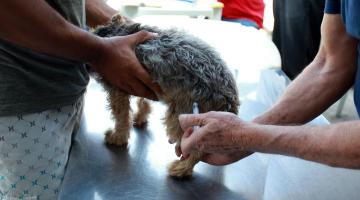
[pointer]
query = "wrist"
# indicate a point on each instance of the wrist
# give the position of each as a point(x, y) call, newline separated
point(245, 134)
point(253, 137)
point(96, 51)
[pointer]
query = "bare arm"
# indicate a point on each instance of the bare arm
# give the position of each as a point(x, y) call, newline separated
point(225, 134)
point(36, 25)
point(336, 145)
point(98, 12)
point(227, 137)
point(324, 81)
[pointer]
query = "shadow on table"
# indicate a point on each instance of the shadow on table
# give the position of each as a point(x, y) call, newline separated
point(99, 171)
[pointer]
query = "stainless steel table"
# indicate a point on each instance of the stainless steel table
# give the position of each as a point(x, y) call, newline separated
point(101, 172)
point(138, 171)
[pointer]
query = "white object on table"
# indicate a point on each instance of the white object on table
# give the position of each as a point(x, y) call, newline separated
point(132, 9)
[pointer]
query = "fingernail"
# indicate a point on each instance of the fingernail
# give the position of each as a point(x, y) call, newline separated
point(188, 132)
point(154, 34)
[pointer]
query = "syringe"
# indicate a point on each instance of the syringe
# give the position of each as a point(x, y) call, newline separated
point(195, 110)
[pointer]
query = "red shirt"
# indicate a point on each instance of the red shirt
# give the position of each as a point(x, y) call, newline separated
point(244, 9)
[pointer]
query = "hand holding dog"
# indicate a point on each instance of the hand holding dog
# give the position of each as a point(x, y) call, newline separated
point(118, 63)
point(218, 137)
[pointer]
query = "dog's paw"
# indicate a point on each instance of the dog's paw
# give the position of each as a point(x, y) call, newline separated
point(172, 140)
point(116, 139)
point(180, 169)
point(139, 121)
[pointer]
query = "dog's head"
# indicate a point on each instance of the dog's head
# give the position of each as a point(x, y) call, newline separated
point(117, 26)
point(119, 20)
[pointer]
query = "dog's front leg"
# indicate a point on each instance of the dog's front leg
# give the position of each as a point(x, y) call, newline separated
point(120, 109)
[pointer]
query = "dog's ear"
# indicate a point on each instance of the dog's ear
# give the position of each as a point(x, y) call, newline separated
point(118, 19)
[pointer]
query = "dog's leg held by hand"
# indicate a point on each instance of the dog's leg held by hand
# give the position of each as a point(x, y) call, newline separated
point(183, 168)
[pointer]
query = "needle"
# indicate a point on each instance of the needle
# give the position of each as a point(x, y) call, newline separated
point(195, 110)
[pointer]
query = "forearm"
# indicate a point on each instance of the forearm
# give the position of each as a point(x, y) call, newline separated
point(309, 95)
point(98, 12)
point(42, 29)
point(335, 145)
point(324, 81)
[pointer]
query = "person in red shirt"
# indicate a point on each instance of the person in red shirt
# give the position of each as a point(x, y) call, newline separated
point(246, 12)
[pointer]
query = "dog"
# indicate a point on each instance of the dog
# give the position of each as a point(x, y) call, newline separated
point(187, 69)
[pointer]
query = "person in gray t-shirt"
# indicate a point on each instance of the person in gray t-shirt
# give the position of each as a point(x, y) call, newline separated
point(43, 48)
point(43, 52)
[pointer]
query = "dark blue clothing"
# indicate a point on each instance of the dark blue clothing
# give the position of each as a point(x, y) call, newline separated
point(332, 7)
point(244, 22)
point(350, 11)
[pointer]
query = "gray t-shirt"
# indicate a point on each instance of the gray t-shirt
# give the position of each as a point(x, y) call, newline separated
point(33, 82)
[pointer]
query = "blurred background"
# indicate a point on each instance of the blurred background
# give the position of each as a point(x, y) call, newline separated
point(292, 25)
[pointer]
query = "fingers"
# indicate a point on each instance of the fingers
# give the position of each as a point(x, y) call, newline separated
point(190, 120)
point(153, 90)
point(147, 80)
point(140, 37)
point(188, 142)
point(188, 132)
point(224, 159)
point(141, 90)
point(217, 159)
point(191, 137)
point(178, 150)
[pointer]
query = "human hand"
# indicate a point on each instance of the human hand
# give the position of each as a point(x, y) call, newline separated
point(218, 137)
point(118, 64)
point(218, 159)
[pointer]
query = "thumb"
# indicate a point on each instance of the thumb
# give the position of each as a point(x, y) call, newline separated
point(187, 143)
point(188, 132)
point(141, 36)
point(189, 120)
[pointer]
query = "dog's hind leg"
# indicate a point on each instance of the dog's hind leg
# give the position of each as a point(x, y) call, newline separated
point(120, 107)
point(172, 125)
point(179, 168)
point(144, 109)
point(184, 168)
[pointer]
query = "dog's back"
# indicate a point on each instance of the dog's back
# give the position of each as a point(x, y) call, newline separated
point(186, 68)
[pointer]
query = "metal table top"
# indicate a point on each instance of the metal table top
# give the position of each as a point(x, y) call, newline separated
point(139, 171)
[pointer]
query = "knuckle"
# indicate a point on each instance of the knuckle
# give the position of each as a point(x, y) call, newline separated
point(200, 147)
point(143, 33)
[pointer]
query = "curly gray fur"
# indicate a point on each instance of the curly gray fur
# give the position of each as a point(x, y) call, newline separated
point(183, 65)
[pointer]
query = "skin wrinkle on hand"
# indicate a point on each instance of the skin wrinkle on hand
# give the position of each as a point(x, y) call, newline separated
point(207, 144)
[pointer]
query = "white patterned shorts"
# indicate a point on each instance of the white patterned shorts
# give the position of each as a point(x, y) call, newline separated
point(34, 151)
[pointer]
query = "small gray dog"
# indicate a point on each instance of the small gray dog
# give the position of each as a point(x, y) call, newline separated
point(187, 70)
